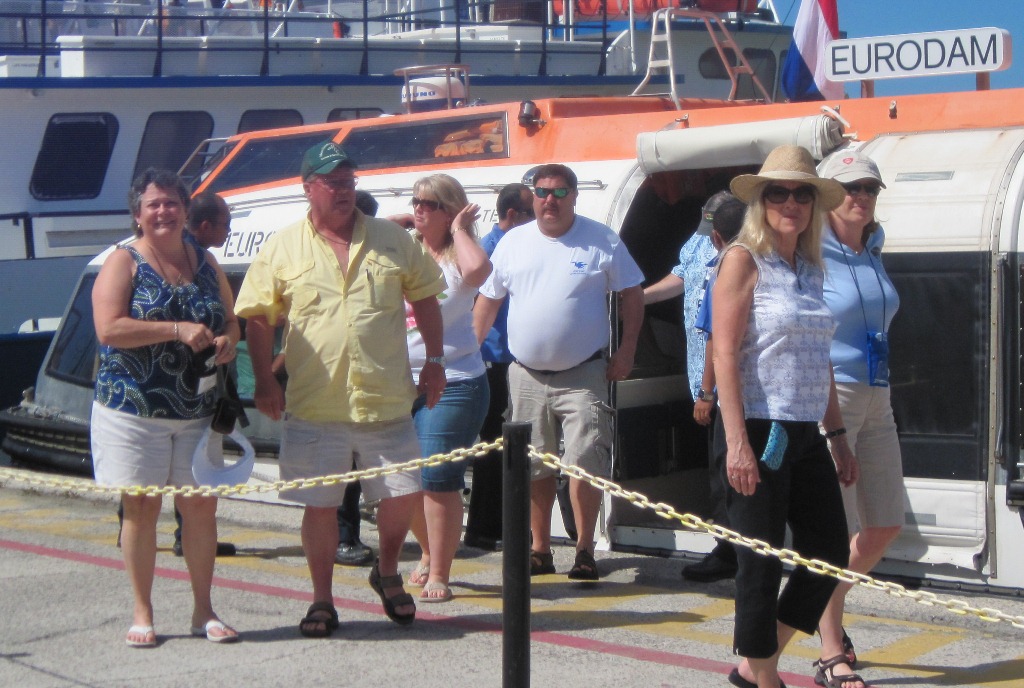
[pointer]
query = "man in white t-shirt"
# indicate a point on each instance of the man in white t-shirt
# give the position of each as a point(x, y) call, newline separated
point(557, 273)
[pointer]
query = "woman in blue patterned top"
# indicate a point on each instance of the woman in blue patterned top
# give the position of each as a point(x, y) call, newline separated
point(772, 332)
point(162, 308)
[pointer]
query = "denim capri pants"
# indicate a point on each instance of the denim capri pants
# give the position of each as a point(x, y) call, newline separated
point(453, 423)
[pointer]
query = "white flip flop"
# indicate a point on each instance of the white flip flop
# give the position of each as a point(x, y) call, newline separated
point(214, 624)
point(144, 631)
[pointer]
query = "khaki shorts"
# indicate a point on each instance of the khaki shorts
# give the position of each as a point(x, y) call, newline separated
point(131, 450)
point(571, 404)
point(310, 450)
point(876, 499)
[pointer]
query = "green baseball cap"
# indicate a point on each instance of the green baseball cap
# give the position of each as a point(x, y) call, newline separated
point(323, 158)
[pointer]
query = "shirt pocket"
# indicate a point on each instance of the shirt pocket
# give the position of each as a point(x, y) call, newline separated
point(384, 284)
point(300, 291)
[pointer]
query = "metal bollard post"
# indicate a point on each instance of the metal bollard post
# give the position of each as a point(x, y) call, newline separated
point(515, 535)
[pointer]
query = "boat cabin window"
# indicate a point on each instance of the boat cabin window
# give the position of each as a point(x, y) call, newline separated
point(346, 114)
point(74, 353)
point(482, 137)
point(257, 120)
point(268, 160)
point(169, 138)
point(762, 61)
point(73, 158)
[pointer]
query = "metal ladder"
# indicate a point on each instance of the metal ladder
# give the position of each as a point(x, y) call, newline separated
point(660, 56)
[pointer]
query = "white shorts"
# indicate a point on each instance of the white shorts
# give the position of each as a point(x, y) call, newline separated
point(876, 499)
point(130, 450)
point(310, 450)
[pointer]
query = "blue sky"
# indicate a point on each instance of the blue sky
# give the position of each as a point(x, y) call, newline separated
point(860, 18)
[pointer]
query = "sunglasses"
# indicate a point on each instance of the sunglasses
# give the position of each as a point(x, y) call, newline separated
point(430, 206)
point(780, 194)
point(336, 184)
point(857, 187)
point(528, 212)
point(560, 192)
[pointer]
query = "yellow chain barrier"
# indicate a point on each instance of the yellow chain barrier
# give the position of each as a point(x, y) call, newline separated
point(662, 509)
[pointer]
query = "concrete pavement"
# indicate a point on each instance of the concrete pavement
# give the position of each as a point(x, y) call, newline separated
point(65, 605)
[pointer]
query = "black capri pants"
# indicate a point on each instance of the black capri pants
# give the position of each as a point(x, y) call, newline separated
point(803, 494)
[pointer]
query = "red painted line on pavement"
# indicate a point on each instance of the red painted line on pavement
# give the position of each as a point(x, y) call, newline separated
point(547, 637)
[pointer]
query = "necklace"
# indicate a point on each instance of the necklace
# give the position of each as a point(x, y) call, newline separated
point(180, 280)
point(340, 242)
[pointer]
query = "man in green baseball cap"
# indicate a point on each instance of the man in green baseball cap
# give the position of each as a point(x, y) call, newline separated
point(324, 158)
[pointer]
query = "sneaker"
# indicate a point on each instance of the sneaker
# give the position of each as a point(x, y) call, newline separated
point(224, 549)
point(482, 542)
point(354, 554)
point(710, 569)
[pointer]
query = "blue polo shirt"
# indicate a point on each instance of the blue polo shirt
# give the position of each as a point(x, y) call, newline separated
point(495, 346)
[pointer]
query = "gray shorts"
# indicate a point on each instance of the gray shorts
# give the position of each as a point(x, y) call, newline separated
point(310, 450)
point(571, 404)
point(876, 499)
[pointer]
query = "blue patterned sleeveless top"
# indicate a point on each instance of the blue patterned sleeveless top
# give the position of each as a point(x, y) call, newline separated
point(159, 381)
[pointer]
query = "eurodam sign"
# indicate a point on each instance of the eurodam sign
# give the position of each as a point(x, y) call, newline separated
point(918, 54)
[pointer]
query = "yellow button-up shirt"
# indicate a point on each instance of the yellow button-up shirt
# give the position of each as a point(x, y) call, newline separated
point(345, 347)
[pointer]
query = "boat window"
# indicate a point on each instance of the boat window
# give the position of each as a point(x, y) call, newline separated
point(73, 158)
point(74, 353)
point(444, 140)
point(761, 61)
point(256, 120)
point(268, 160)
point(345, 114)
point(169, 138)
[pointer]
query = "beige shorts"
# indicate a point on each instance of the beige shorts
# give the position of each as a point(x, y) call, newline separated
point(570, 404)
point(310, 450)
point(130, 450)
point(876, 500)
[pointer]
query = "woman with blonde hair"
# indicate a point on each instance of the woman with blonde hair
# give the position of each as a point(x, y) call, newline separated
point(772, 332)
point(444, 221)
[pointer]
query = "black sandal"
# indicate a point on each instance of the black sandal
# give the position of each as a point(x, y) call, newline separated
point(541, 563)
point(826, 673)
point(391, 604)
point(316, 626)
point(584, 568)
point(849, 651)
point(740, 682)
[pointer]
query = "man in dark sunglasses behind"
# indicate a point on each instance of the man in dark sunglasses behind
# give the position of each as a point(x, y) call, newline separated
point(557, 272)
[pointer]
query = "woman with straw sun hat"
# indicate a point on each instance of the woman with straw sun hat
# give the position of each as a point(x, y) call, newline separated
point(772, 332)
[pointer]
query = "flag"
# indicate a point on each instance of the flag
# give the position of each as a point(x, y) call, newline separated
point(803, 74)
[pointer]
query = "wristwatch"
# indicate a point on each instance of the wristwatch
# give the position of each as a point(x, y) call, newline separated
point(704, 395)
point(439, 360)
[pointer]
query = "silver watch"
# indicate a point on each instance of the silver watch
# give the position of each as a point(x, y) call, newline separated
point(704, 395)
point(439, 360)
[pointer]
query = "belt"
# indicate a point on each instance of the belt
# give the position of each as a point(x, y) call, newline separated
point(593, 357)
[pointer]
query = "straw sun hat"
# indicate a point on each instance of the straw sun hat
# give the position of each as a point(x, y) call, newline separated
point(789, 164)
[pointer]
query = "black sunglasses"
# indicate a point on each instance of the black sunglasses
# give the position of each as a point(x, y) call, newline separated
point(428, 205)
point(560, 192)
point(780, 194)
point(528, 212)
point(858, 187)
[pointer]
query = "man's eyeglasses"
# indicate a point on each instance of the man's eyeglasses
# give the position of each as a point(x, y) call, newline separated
point(780, 194)
point(858, 187)
point(528, 212)
point(430, 206)
point(336, 184)
point(560, 192)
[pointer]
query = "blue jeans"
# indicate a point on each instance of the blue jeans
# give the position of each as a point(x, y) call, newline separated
point(453, 423)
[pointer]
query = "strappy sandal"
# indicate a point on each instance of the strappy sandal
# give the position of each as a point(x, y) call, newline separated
point(391, 604)
point(541, 563)
point(825, 674)
point(848, 649)
point(314, 625)
point(419, 576)
point(584, 568)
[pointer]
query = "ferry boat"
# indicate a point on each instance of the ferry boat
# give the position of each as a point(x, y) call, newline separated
point(93, 92)
point(953, 208)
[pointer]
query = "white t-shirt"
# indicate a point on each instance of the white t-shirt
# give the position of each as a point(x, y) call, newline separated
point(557, 290)
point(460, 345)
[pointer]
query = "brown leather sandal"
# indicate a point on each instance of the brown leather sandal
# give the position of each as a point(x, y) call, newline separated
point(826, 673)
point(541, 563)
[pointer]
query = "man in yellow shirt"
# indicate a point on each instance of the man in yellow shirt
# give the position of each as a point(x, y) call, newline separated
point(339, 280)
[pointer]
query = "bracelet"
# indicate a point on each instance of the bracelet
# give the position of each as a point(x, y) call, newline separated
point(835, 433)
point(176, 331)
